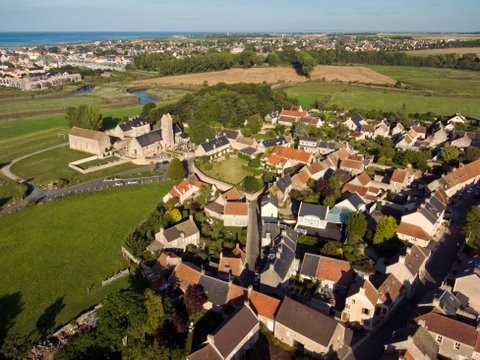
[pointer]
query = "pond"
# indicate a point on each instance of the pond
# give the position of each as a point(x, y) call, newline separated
point(143, 97)
point(84, 90)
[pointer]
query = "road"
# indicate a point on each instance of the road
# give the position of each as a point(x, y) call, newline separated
point(438, 267)
point(253, 236)
point(6, 169)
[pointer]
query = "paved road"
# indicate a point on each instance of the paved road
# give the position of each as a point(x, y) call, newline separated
point(253, 236)
point(6, 169)
point(438, 267)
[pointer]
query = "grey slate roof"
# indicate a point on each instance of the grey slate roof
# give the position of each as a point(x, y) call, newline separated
point(248, 150)
point(133, 123)
point(357, 118)
point(306, 321)
point(149, 138)
point(188, 227)
point(215, 143)
point(326, 145)
point(216, 289)
point(313, 209)
point(310, 265)
point(176, 128)
point(272, 142)
point(230, 134)
point(269, 198)
point(284, 182)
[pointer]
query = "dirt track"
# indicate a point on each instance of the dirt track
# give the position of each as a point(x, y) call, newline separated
point(274, 76)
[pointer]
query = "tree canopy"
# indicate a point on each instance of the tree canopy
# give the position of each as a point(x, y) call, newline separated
point(356, 227)
point(84, 116)
point(386, 229)
point(471, 228)
point(175, 170)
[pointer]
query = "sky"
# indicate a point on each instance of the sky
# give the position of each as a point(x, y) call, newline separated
point(241, 16)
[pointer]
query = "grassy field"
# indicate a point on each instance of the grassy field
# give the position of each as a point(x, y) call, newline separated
point(52, 165)
point(429, 90)
point(436, 81)
point(10, 191)
point(69, 246)
point(230, 171)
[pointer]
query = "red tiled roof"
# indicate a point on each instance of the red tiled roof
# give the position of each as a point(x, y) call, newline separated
point(398, 176)
point(264, 305)
point(338, 271)
point(351, 164)
point(185, 276)
point(232, 195)
point(292, 154)
point(236, 208)
point(449, 328)
point(413, 231)
point(293, 113)
point(360, 190)
point(390, 289)
point(315, 167)
point(420, 129)
point(233, 264)
point(237, 294)
point(462, 174)
point(364, 179)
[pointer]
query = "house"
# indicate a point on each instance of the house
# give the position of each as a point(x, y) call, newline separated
point(333, 274)
point(89, 141)
point(311, 121)
point(263, 145)
point(232, 340)
point(367, 131)
point(264, 306)
point(235, 214)
point(283, 157)
point(269, 208)
point(185, 275)
point(280, 261)
point(342, 210)
point(408, 141)
point(325, 147)
point(410, 267)
point(282, 189)
point(366, 304)
point(420, 226)
point(355, 122)
point(217, 291)
point(314, 171)
point(452, 122)
point(401, 179)
point(308, 144)
point(233, 265)
point(460, 177)
point(353, 164)
point(414, 344)
point(182, 192)
point(382, 129)
point(318, 334)
point(439, 135)
point(177, 236)
point(420, 131)
point(462, 142)
point(133, 127)
point(398, 130)
point(213, 147)
point(313, 220)
point(231, 135)
point(456, 340)
point(293, 114)
point(467, 283)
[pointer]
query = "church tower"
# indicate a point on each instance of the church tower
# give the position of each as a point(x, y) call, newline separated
point(168, 139)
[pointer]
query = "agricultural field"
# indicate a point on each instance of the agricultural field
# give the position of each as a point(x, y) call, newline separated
point(43, 291)
point(273, 75)
point(441, 91)
point(232, 170)
point(458, 51)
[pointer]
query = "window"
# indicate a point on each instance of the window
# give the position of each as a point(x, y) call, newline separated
point(365, 311)
point(439, 338)
point(456, 345)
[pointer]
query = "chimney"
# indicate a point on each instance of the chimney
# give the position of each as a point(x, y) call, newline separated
point(401, 260)
point(249, 290)
point(221, 255)
point(237, 246)
point(190, 217)
point(182, 234)
point(210, 339)
point(202, 270)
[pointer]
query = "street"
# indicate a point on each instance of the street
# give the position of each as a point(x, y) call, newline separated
point(253, 236)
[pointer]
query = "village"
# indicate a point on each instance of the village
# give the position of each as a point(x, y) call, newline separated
point(329, 247)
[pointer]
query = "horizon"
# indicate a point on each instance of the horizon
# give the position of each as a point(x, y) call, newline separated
point(216, 16)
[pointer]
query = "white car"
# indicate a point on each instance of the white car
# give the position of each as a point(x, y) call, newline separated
point(118, 183)
point(132, 182)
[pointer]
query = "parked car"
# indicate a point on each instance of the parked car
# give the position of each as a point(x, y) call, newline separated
point(132, 182)
point(118, 183)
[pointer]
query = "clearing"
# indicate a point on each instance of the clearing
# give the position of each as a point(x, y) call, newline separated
point(232, 170)
point(273, 75)
point(55, 265)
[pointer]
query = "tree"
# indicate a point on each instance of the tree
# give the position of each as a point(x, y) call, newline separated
point(84, 116)
point(472, 153)
point(15, 346)
point(251, 184)
point(204, 195)
point(155, 311)
point(386, 229)
point(194, 299)
point(173, 216)
point(450, 154)
point(147, 112)
point(254, 124)
point(471, 228)
point(175, 170)
point(356, 227)
point(300, 130)
point(273, 59)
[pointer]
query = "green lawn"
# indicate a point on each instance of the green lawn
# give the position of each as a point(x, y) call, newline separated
point(365, 97)
point(10, 191)
point(51, 254)
point(231, 171)
point(52, 165)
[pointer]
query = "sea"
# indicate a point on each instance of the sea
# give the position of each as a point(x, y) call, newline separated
point(29, 39)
